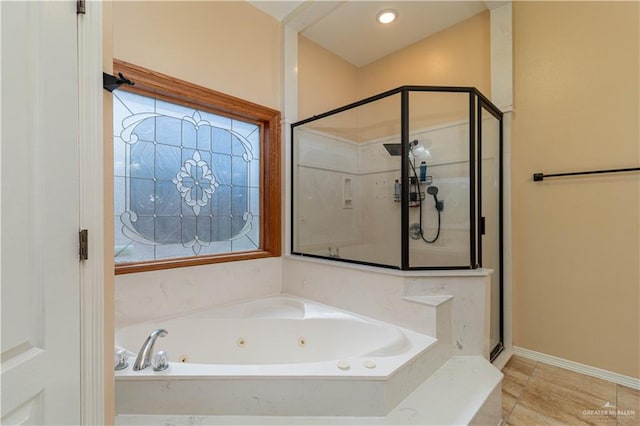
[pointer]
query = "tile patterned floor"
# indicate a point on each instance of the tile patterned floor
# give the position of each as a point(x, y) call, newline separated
point(534, 393)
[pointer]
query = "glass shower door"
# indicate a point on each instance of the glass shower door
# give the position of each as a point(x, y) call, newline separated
point(491, 210)
point(440, 181)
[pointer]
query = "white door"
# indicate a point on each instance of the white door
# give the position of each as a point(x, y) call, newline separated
point(39, 233)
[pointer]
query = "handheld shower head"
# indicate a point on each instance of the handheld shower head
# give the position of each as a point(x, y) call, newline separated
point(433, 190)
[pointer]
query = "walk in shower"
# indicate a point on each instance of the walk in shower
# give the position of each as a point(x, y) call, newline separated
point(409, 179)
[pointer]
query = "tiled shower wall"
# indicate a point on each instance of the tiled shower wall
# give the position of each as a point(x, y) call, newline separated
point(368, 228)
point(324, 164)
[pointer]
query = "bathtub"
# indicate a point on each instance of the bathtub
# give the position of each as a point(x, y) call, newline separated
point(273, 356)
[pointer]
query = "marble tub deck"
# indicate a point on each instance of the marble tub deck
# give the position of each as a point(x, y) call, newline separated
point(541, 394)
point(465, 390)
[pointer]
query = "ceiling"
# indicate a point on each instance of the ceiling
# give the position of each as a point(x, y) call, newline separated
point(350, 30)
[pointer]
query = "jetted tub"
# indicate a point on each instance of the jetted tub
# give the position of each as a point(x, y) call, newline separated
point(273, 356)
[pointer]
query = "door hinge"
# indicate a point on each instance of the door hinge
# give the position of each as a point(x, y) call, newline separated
point(483, 226)
point(84, 244)
point(80, 7)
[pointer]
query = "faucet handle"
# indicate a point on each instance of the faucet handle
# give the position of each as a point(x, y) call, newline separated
point(160, 361)
point(121, 359)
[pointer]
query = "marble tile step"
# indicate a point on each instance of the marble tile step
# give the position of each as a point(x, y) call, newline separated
point(434, 300)
point(437, 314)
point(465, 390)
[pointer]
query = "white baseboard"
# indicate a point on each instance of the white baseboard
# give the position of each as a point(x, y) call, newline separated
point(588, 370)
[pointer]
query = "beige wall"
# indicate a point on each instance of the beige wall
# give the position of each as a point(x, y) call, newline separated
point(576, 241)
point(325, 80)
point(231, 47)
point(456, 56)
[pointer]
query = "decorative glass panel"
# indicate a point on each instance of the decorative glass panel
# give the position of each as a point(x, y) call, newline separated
point(186, 182)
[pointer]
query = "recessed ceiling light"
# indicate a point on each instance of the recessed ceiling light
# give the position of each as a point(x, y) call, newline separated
point(387, 16)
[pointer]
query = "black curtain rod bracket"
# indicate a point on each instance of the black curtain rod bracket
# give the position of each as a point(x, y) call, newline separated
point(538, 177)
point(111, 82)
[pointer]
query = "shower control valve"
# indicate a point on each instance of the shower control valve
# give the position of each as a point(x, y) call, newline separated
point(415, 231)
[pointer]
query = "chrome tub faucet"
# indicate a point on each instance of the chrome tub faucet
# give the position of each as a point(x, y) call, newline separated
point(143, 360)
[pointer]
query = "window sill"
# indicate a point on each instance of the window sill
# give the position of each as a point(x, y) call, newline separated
point(155, 265)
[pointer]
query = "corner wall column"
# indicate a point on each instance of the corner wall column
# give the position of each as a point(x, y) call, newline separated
point(502, 96)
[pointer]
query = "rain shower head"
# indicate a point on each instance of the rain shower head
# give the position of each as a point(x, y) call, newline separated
point(395, 149)
point(432, 190)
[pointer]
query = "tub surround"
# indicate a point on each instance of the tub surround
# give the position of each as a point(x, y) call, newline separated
point(450, 306)
point(158, 294)
point(366, 292)
point(465, 390)
point(391, 296)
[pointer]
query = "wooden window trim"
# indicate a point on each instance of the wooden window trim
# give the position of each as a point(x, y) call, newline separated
point(161, 86)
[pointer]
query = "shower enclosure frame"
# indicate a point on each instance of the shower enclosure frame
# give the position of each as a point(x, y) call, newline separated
point(477, 102)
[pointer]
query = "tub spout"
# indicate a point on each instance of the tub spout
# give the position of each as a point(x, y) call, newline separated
point(144, 356)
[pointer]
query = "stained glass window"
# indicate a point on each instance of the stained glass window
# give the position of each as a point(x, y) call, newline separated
point(186, 181)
